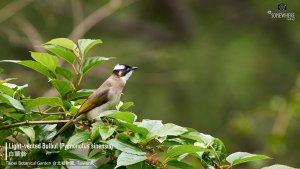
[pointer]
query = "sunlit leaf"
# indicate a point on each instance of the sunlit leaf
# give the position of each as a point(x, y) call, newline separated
point(151, 125)
point(46, 60)
point(126, 105)
point(11, 101)
point(182, 149)
point(243, 157)
point(6, 90)
point(91, 62)
point(77, 138)
point(171, 129)
point(63, 42)
point(278, 166)
point(106, 131)
point(125, 159)
point(86, 44)
point(33, 65)
point(66, 54)
point(125, 116)
point(124, 147)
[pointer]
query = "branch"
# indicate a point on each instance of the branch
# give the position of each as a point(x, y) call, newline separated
point(12, 8)
point(31, 32)
point(97, 16)
point(28, 123)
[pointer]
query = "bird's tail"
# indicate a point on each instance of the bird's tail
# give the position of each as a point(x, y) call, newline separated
point(62, 129)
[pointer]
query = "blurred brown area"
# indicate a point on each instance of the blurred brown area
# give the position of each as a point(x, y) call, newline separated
point(225, 68)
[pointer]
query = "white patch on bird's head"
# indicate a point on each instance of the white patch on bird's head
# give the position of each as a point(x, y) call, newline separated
point(119, 67)
point(126, 77)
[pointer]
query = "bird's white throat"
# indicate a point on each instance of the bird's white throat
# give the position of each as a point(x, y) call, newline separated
point(126, 77)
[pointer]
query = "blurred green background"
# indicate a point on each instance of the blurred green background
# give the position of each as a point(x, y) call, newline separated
point(225, 68)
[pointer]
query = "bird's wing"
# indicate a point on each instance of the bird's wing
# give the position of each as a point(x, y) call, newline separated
point(96, 99)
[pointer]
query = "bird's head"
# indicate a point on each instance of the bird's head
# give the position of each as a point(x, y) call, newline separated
point(123, 71)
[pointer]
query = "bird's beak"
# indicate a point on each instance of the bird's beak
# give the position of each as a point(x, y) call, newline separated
point(134, 68)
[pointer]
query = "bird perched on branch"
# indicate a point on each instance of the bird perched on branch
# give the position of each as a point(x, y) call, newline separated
point(105, 97)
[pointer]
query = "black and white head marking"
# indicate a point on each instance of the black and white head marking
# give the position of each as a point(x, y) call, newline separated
point(123, 71)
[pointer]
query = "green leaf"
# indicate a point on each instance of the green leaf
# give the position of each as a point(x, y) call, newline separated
point(16, 116)
point(243, 157)
point(182, 149)
point(125, 116)
point(11, 101)
point(140, 165)
point(4, 134)
point(50, 101)
point(80, 93)
point(124, 147)
point(278, 166)
point(29, 132)
point(66, 155)
point(86, 44)
point(33, 65)
point(194, 136)
point(61, 86)
point(76, 139)
point(1, 70)
point(151, 125)
point(91, 62)
point(6, 90)
point(170, 129)
point(64, 73)
point(219, 150)
point(125, 159)
point(63, 42)
point(46, 60)
point(97, 156)
point(66, 54)
point(12, 89)
point(95, 130)
point(179, 164)
point(135, 128)
point(125, 106)
point(46, 135)
point(106, 131)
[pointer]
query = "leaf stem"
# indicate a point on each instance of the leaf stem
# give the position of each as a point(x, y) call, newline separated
point(28, 123)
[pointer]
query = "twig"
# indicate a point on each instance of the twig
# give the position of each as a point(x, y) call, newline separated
point(97, 16)
point(31, 32)
point(77, 11)
point(12, 8)
point(27, 123)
